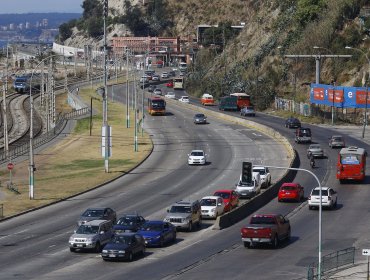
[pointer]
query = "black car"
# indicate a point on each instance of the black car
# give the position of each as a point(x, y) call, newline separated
point(98, 213)
point(128, 223)
point(292, 123)
point(200, 119)
point(124, 246)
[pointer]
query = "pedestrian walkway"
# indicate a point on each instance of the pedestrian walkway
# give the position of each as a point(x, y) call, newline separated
point(353, 131)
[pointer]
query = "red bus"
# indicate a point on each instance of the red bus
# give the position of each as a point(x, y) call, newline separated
point(351, 164)
point(156, 105)
point(243, 100)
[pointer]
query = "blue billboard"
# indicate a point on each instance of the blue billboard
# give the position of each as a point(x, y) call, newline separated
point(340, 96)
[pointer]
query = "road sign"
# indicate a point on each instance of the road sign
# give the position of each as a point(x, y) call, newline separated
point(10, 166)
point(366, 252)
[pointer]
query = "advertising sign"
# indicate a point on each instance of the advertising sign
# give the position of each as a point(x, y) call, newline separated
point(344, 97)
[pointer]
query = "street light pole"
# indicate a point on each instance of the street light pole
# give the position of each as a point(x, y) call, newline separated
point(127, 92)
point(366, 85)
point(106, 128)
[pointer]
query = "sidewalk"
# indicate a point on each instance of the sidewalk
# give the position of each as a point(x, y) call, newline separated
point(356, 272)
point(350, 130)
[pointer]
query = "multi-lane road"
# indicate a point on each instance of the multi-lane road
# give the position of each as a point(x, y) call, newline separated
point(35, 245)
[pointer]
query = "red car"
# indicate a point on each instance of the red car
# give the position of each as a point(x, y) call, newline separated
point(291, 191)
point(169, 84)
point(230, 197)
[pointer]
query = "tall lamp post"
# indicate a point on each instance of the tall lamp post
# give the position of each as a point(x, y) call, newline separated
point(334, 81)
point(366, 85)
point(105, 128)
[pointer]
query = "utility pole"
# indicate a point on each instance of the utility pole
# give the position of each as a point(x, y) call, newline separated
point(105, 128)
point(127, 91)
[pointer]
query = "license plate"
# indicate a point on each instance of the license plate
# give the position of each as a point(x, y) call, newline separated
point(112, 256)
point(255, 239)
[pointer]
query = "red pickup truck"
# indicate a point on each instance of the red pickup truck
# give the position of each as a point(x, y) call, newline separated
point(266, 228)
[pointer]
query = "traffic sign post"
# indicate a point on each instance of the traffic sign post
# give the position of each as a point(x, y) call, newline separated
point(366, 252)
point(10, 167)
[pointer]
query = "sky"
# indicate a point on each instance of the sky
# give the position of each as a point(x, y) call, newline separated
point(40, 6)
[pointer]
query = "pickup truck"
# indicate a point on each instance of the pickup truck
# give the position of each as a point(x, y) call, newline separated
point(266, 228)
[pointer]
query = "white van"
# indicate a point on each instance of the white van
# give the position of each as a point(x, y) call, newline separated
point(249, 190)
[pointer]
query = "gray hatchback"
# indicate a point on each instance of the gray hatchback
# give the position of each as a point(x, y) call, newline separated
point(200, 119)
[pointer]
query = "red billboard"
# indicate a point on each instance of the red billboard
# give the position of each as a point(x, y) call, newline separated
point(338, 95)
point(361, 97)
point(318, 93)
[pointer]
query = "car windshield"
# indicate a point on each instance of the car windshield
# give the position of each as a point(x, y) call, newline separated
point(315, 147)
point(126, 221)
point(93, 213)
point(86, 229)
point(224, 195)
point(262, 220)
point(120, 239)
point(208, 202)
point(180, 209)
point(197, 154)
point(185, 97)
point(151, 227)
point(317, 192)
point(249, 108)
point(199, 115)
point(304, 132)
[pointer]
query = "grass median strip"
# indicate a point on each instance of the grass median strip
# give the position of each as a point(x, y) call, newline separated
point(75, 163)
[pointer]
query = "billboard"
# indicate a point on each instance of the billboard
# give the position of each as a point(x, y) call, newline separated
point(340, 96)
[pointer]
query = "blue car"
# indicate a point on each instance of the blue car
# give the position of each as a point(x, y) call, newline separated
point(158, 233)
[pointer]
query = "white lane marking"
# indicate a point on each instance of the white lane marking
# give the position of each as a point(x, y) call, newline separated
point(16, 233)
point(256, 134)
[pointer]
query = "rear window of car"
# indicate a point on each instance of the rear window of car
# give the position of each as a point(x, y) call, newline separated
point(222, 194)
point(262, 220)
point(289, 188)
point(317, 192)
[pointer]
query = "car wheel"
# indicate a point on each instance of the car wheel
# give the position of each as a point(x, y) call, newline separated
point(199, 224)
point(174, 237)
point(275, 242)
point(130, 257)
point(72, 249)
point(310, 207)
point(246, 244)
point(143, 251)
point(289, 235)
point(161, 242)
point(190, 227)
point(98, 247)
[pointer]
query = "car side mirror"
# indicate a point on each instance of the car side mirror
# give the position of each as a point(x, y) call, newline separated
point(168, 210)
point(102, 232)
point(74, 231)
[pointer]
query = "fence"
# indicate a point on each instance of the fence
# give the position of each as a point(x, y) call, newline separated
point(332, 262)
point(44, 138)
point(346, 115)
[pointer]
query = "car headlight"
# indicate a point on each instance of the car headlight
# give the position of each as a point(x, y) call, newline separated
point(213, 209)
point(156, 237)
point(104, 251)
point(90, 239)
point(166, 219)
point(121, 251)
point(71, 239)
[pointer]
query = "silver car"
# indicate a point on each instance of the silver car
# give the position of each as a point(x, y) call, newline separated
point(91, 235)
point(336, 141)
point(315, 150)
point(98, 213)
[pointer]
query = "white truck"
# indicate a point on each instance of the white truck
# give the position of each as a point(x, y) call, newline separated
point(249, 190)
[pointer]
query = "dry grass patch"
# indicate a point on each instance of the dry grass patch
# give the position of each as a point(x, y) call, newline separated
point(75, 164)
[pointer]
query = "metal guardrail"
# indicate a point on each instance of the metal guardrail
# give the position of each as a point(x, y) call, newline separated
point(332, 262)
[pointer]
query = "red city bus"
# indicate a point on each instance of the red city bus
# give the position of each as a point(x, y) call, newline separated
point(244, 100)
point(156, 105)
point(351, 164)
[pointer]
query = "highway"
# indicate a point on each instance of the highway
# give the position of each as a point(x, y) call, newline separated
point(35, 245)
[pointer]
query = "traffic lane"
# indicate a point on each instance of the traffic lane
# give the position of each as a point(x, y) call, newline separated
point(38, 248)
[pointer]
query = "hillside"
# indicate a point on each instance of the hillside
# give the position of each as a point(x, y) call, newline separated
point(252, 61)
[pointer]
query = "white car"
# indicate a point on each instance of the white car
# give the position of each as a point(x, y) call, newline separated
point(170, 95)
point(164, 75)
point(264, 175)
point(329, 198)
point(197, 157)
point(184, 99)
point(246, 190)
point(212, 206)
